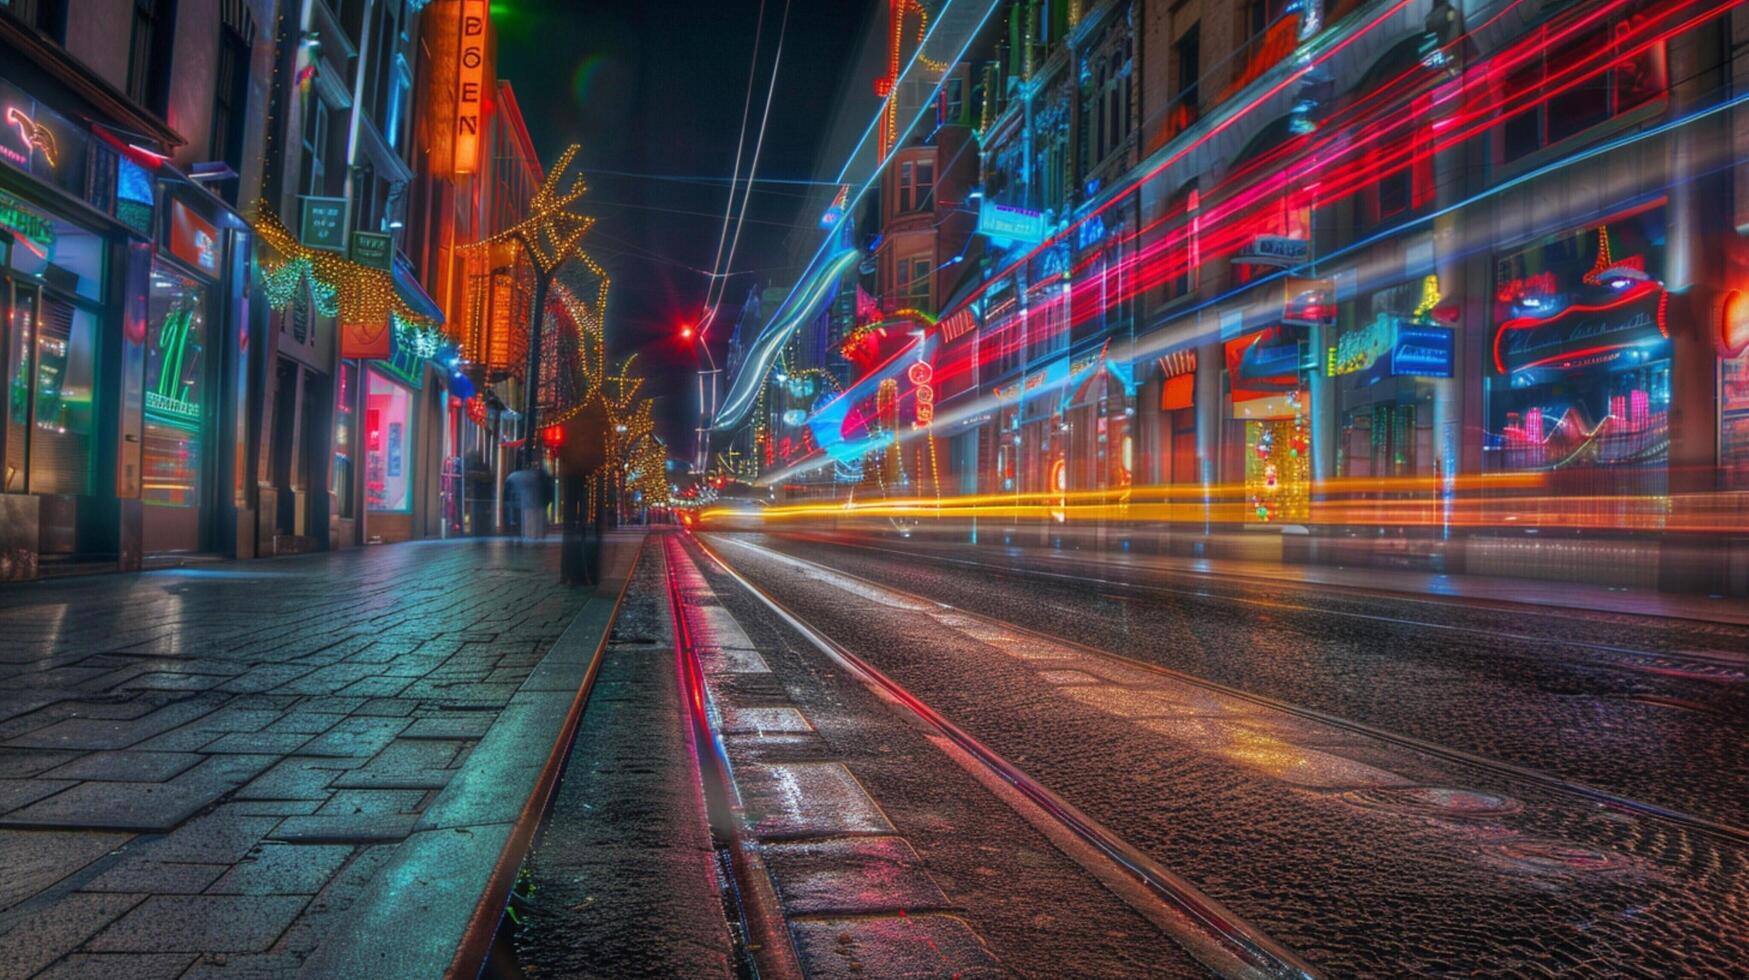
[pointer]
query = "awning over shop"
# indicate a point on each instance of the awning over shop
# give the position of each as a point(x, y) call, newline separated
point(414, 294)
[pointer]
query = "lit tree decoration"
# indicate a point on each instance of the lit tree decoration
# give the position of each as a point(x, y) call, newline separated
point(550, 235)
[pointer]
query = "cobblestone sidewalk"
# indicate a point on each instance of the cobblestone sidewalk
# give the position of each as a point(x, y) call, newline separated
point(201, 770)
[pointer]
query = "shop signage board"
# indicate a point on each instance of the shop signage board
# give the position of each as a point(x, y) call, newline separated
point(1006, 223)
point(1421, 351)
point(1394, 346)
point(373, 249)
point(323, 223)
point(957, 325)
point(1358, 350)
point(470, 86)
point(28, 228)
point(369, 341)
point(44, 144)
point(1308, 302)
point(193, 239)
point(1275, 250)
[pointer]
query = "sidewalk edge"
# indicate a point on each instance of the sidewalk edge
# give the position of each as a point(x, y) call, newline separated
point(476, 942)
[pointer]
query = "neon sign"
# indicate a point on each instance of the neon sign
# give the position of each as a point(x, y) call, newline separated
point(1357, 350)
point(167, 397)
point(35, 136)
point(32, 230)
point(470, 86)
point(1529, 342)
point(1003, 222)
point(920, 374)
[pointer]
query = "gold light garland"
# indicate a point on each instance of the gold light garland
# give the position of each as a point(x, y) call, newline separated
point(355, 293)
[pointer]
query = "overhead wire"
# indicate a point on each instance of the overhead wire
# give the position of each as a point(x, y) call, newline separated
point(753, 166)
point(740, 145)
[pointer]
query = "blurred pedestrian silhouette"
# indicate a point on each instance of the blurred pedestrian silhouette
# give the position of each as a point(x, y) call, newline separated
point(529, 486)
point(582, 452)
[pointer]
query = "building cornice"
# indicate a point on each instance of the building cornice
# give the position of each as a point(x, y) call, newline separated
point(119, 110)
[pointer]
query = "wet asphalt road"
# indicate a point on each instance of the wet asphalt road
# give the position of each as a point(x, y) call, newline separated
point(1362, 855)
point(1037, 911)
point(1591, 697)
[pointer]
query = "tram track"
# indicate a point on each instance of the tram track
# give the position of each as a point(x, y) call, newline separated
point(1573, 789)
point(1713, 665)
point(1229, 944)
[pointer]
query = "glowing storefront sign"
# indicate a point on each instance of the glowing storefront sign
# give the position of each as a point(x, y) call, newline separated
point(33, 136)
point(470, 86)
point(1276, 250)
point(1006, 223)
point(193, 239)
point(30, 229)
point(920, 374)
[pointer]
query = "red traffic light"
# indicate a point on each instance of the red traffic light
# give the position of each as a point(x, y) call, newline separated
point(686, 331)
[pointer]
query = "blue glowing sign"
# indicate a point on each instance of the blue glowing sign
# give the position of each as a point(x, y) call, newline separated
point(1422, 351)
point(1006, 223)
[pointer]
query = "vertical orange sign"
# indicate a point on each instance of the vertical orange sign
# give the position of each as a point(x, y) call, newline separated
point(470, 86)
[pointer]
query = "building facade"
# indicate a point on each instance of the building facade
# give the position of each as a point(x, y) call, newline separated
point(129, 161)
point(1438, 284)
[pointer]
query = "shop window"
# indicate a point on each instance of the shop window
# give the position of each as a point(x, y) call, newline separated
point(173, 450)
point(61, 410)
point(345, 439)
point(1581, 374)
point(1581, 98)
point(1734, 422)
point(61, 254)
point(388, 445)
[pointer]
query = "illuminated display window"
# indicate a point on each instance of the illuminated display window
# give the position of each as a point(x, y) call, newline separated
point(1734, 422)
point(388, 445)
point(173, 448)
point(49, 414)
point(1580, 356)
point(345, 439)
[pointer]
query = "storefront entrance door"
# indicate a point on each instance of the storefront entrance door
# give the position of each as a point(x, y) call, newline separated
point(20, 303)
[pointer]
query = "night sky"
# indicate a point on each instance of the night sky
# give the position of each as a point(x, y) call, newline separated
point(654, 89)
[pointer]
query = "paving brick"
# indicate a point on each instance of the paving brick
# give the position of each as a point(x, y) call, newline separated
point(200, 923)
point(48, 933)
point(35, 860)
point(353, 801)
point(356, 736)
point(119, 966)
point(129, 767)
point(103, 733)
point(156, 878)
point(283, 869)
point(464, 726)
point(23, 763)
point(349, 828)
point(224, 835)
point(296, 779)
point(15, 793)
point(893, 946)
point(851, 876)
point(282, 743)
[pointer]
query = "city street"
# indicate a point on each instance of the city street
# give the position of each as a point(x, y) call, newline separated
point(874, 489)
point(1383, 784)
